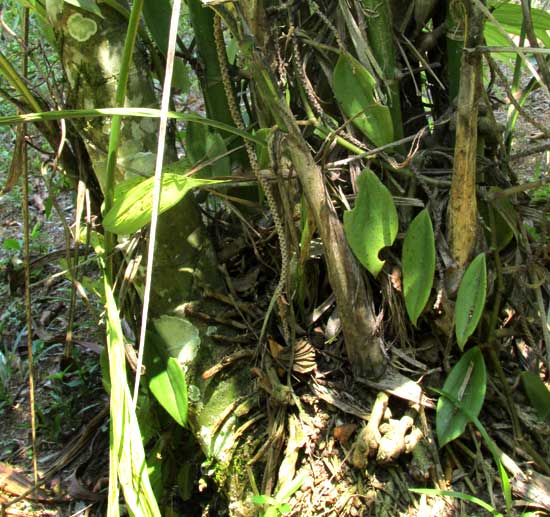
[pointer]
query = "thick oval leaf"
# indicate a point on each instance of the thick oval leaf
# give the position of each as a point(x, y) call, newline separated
point(132, 208)
point(538, 394)
point(372, 224)
point(466, 382)
point(470, 300)
point(181, 338)
point(172, 344)
point(354, 90)
point(418, 261)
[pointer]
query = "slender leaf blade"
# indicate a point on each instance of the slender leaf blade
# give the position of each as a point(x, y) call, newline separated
point(470, 300)
point(418, 259)
point(466, 383)
point(127, 455)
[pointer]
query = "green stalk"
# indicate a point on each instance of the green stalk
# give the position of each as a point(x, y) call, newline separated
point(129, 43)
point(202, 21)
point(380, 37)
point(7, 70)
point(124, 112)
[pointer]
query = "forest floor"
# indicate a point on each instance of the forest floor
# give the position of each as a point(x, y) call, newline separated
point(70, 394)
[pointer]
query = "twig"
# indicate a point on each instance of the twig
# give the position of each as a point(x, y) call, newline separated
point(510, 50)
point(509, 94)
point(535, 149)
point(517, 189)
point(532, 37)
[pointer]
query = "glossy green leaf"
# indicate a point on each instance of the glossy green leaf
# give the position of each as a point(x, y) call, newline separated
point(170, 389)
point(418, 259)
point(354, 89)
point(372, 224)
point(127, 455)
point(179, 387)
point(538, 394)
point(466, 383)
point(157, 14)
point(470, 300)
point(132, 210)
point(180, 341)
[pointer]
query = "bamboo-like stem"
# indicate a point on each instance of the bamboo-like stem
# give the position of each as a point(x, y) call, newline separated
point(42, 116)
point(380, 35)
point(27, 257)
point(462, 214)
point(157, 188)
point(133, 25)
point(202, 21)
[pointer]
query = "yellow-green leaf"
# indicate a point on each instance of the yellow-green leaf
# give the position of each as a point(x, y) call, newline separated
point(132, 208)
point(170, 389)
point(354, 90)
point(418, 259)
point(372, 224)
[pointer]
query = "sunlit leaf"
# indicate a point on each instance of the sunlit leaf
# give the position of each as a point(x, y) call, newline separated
point(179, 346)
point(372, 224)
point(170, 389)
point(466, 383)
point(538, 394)
point(470, 300)
point(132, 210)
point(354, 90)
point(418, 261)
